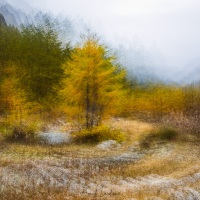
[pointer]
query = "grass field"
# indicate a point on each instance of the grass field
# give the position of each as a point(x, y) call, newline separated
point(165, 169)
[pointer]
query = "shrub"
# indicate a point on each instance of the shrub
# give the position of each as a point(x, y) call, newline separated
point(162, 134)
point(1, 138)
point(185, 124)
point(99, 134)
point(20, 133)
point(26, 131)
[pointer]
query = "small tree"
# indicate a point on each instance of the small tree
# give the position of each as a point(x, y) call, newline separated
point(93, 84)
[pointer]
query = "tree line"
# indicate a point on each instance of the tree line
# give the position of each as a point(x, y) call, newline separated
point(42, 76)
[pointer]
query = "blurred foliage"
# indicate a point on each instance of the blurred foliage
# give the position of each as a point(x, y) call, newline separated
point(162, 134)
point(93, 84)
point(43, 79)
point(99, 134)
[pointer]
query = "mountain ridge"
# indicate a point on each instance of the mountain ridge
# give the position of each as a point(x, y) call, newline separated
point(13, 16)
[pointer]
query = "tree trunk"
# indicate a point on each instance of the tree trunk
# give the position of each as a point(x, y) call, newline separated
point(87, 108)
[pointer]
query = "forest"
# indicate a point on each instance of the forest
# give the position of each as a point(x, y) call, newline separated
point(76, 124)
point(44, 79)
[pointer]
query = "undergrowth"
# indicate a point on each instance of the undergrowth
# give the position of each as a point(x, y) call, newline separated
point(161, 134)
point(99, 134)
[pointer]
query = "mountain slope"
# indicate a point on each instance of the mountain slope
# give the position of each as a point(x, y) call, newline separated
point(189, 73)
point(2, 20)
point(12, 15)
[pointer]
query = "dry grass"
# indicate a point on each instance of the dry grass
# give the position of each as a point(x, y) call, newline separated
point(63, 194)
point(20, 151)
point(161, 166)
point(133, 128)
point(175, 159)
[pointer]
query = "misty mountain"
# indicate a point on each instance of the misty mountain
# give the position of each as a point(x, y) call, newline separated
point(148, 65)
point(189, 73)
point(13, 16)
point(139, 62)
point(2, 20)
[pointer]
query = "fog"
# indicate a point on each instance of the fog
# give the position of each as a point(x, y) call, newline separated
point(161, 36)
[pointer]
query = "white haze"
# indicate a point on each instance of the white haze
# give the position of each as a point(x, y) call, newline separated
point(165, 34)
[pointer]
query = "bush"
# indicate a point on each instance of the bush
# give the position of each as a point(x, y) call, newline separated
point(99, 134)
point(162, 134)
point(22, 132)
point(185, 124)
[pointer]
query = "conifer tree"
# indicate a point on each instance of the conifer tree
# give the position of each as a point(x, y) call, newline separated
point(93, 84)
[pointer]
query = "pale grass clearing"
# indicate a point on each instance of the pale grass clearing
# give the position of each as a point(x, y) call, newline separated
point(173, 160)
point(133, 128)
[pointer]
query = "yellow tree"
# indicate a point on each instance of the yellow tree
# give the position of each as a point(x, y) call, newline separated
point(93, 84)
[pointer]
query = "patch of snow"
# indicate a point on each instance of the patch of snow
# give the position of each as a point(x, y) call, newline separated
point(55, 138)
point(108, 145)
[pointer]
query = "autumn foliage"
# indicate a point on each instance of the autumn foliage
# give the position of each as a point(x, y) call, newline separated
point(93, 84)
point(43, 79)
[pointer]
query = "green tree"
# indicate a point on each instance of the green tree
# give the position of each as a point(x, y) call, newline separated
point(42, 55)
point(93, 84)
point(9, 54)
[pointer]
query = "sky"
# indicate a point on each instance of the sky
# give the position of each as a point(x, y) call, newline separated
point(169, 28)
